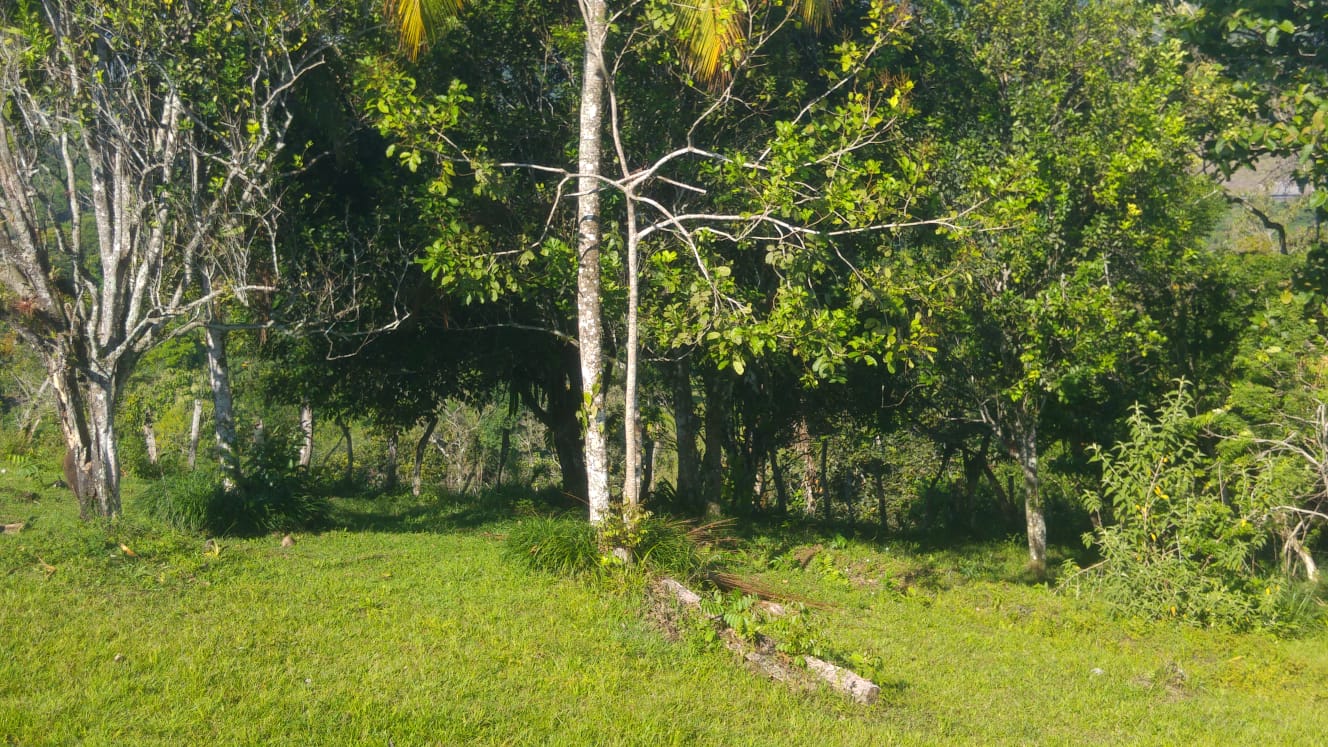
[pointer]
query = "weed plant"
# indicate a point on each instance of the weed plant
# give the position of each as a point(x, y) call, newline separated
point(1179, 548)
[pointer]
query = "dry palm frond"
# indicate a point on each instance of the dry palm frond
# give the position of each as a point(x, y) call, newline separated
point(713, 533)
point(730, 582)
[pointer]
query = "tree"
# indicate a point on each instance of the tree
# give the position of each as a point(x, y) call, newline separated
point(1086, 114)
point(720, 163)
point(1272, 56)
point(135, 142)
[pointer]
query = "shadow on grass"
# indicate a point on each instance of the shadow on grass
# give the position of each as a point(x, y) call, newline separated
point(441, 512)
point(934, 560)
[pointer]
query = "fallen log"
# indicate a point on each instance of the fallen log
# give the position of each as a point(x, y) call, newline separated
point(763, 655)
point(858, 688)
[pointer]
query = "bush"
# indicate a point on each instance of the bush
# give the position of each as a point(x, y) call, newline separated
point(1178, 549)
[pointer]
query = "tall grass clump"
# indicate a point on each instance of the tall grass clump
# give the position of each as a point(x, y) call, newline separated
point(565, 545)
point(186, 501)
point(670, 546)
point(568, 544)
point(272, 495)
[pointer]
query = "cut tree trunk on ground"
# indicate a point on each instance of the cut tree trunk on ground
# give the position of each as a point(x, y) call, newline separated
point(762, 654)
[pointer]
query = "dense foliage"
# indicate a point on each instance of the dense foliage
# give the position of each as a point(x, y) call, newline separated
point(922, 269)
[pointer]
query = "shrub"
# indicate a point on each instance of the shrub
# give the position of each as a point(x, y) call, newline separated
point(1178, 548)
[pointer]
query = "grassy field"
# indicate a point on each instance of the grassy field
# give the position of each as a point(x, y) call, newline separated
point(407, 626)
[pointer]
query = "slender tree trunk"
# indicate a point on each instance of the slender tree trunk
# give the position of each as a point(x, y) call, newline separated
point(150, 436)
point(631, 407)
point(826, 493)
point(882, 511)
point(348, 477)
point(390, 483)
point(781, 488)
point(505, 448)
point(195, 427)
point(688, 483)
point(306, 435)
point(811, 476)
point(589, 322)
point(648, 465)
point(223, 408)
point(712, 461)
point(1026, 453)
point(418, 468)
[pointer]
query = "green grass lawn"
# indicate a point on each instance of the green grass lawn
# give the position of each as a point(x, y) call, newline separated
point(409, 627)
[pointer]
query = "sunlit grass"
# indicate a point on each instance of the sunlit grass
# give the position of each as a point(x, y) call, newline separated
point(409, 626)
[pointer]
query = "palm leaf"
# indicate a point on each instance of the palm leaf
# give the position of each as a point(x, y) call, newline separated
point(416, 20)
point(712, 30)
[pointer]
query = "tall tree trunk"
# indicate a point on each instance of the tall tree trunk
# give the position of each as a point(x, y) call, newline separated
point(781, 488)
point(589, 322)
point(223, 406)
point(390, 468)
point(882, 510)
point(558, 414)
point(150, 436)
point(745, 464)
point(827, 506)
point(631, 405)
point(418, 468)
point(306, 435)
point(195, 427)
point(717, 404)
point(505, 448)
point(1026, 453)
point(85, 403)
point(648, 464)
point(688, 485)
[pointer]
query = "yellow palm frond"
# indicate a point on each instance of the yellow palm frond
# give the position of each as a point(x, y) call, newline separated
point(416, 20)
point(711, 30)
point(815, 12)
